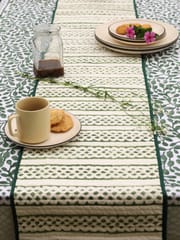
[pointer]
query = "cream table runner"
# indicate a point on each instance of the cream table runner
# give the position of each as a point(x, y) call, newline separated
point(105, 183)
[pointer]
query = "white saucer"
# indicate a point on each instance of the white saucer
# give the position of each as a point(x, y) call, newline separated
point(156, 27)
point(54, 140)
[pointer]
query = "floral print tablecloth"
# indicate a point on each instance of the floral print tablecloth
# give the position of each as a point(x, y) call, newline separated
point(162, 75)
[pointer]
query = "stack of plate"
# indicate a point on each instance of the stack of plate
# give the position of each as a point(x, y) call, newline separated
point(107, 36)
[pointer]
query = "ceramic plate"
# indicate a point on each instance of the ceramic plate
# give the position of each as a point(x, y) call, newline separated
point(170, 37)
point(54, 140)
point(156, 27)
point(130, 52)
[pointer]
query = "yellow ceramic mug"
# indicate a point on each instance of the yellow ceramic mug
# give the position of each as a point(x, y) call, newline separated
point(32, 120)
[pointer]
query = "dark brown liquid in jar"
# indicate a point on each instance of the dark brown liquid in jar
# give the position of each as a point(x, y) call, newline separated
point(49, 68)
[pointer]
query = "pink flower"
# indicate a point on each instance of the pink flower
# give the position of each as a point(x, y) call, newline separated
point(130, 32)
point(149, 37)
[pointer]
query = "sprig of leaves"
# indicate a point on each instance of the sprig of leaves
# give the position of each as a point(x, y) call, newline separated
point(95, 91)
point(141, 31)
point(156, 129)
point(98, 93)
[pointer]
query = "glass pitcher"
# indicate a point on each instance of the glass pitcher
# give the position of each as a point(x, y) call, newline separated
point(48, 51)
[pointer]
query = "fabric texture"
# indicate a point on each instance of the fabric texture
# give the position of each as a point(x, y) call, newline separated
point(78, 20)
point(105, 182)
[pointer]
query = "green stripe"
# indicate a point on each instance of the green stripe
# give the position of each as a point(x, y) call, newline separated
point(18, 164)
point(135, 8)
point(54, 12)
point(16, 230)
point(164, 224)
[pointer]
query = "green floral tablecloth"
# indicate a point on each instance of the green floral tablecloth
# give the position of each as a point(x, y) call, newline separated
point(92, 64)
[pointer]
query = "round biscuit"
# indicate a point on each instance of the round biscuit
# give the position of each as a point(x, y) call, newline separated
point(122, 29)
point(65, 124)
point(56, 116)
point(146, 26)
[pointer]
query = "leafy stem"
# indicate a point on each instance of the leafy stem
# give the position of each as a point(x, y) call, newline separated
point(95, 91)
point(98, 93)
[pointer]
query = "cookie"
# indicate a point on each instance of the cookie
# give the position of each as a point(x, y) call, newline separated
point(56, 115)
point(146, 26)
point(64, 125)
point(136, 24)
point(122, 29)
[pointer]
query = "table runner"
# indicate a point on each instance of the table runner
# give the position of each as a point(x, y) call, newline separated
point(154, 65)
point(105, 182)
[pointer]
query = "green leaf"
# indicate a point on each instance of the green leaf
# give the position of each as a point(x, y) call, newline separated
point(169, 154)
point(170, 163)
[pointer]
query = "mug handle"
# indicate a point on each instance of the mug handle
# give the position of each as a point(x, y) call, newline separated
point(10, 119)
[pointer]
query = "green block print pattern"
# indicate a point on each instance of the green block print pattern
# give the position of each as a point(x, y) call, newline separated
point(90, 224)
point(74, 195)
point(17, 22)
point(163, 74)
point(89, 172)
